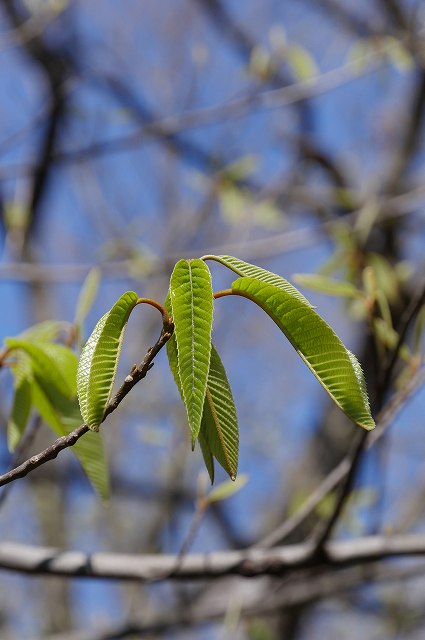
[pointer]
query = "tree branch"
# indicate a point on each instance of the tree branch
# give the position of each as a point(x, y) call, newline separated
point(51, 452)
point(251, 563)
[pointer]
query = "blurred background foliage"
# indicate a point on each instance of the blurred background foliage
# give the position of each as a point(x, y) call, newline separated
point(290, 135)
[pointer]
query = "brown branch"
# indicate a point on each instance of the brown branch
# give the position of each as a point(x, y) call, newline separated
point(51, 452)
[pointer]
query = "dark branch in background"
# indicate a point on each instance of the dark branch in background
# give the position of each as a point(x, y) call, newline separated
point(408, 146)
point(175, 143)
point(307, 149)
point(406, 321)
point(244, 44)
point(410, 138)
point(360, 446)
point(346, 18)
point(396, 14)
point(137, 373)
point(56, 68)
point(268, 100)
point(334, 478)
point(345, 490)
point(302, 590)
point(267, 247)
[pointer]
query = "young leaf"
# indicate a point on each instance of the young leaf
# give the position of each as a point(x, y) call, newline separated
point(87, 295)
point(89, 450)
point(46, 331)
point(191, 300)
point(218, 435)
point(226, 489)
point(323, 352)
point(99, 360)
point(245, 269)
point(21, 406)
point(219, 426)
point(207, 455)
point(328, 286)
point(173, 362)
point(54, 364)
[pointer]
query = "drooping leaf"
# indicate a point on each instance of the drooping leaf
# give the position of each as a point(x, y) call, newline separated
point(87, 295)
point(53, 364)
point(218, 436)
point(328, 286)
point(191, 300)
point(323, 352)
point(207, 455)
point(245, 269)
point(21, 406)
point(99, 360)
point(173, 362)
point(219, 426)
point(89, 449)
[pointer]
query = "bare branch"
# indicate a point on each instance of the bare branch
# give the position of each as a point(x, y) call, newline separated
point(254, 562)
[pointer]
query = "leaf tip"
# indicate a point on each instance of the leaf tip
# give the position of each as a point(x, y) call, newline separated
point(369, 426)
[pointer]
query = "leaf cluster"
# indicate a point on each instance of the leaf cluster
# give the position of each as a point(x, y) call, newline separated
point(48, 376)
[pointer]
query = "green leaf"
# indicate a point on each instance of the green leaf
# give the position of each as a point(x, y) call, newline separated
point(173, 362)
point(89, 449)
point(99, 360)
point(226, 489)
point(328, 286)
point(87, 295)
point(191, 298)
point(54, 365)
point(219, 435)
point(47, 331)
point(323, 352)
point(207, 455)
point(245, 269)
point(21, 406)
